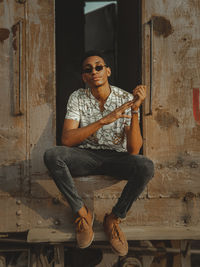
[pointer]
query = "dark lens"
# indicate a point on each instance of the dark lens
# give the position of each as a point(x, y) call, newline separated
point(98, 68)
point(88, 70)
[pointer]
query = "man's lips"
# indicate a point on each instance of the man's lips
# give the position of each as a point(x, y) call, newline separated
point(96, 78)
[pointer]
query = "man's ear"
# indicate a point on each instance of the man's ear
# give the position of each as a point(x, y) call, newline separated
point(108, 71)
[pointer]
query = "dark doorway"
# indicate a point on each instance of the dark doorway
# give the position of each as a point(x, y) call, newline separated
point(115, 29)
point(101, 34)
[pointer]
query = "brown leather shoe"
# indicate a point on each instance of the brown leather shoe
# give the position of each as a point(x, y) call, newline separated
point(115, 235)
point(84, 232)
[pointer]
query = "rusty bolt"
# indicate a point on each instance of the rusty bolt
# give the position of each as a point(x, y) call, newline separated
point(18, 212)
point(186, 219)
point(57, 222)
point(188, 196)
point(180, 161)
point(56, 200)
point(170, 165)
point(18, 202)
point(159, 166)
point(193, 165)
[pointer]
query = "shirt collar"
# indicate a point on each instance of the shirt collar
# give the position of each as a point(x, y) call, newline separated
point(108, 101)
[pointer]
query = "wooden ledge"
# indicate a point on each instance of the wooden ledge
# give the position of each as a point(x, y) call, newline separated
point(40, 235)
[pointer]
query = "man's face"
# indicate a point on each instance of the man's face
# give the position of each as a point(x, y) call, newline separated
point(95, 77)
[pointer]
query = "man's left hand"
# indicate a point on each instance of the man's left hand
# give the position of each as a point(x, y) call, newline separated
point(139, 94)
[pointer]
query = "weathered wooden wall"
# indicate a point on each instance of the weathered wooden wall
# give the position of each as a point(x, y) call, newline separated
point(27, 51)
point(172, 132)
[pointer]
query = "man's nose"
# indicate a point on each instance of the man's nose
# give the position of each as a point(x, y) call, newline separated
point(94, 71)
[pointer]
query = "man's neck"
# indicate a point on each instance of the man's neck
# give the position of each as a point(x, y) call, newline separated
point(101, 93)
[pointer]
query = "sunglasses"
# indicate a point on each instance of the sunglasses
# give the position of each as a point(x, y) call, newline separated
point(97, 68)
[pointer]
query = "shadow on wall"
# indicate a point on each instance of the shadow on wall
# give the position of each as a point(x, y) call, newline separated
point(32, 200)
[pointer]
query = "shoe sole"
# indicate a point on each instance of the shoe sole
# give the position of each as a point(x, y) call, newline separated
point(117, 253)
point(92, 236)
point(113, 249)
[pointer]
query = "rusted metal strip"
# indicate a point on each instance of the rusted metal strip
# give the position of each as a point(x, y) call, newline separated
point(150, 23)
point(17, 31)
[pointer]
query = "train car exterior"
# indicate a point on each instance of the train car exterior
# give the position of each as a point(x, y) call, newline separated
point(29, 200)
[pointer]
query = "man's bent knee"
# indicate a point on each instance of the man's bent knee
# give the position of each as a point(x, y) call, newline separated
point(145, 167)
point(148, 168)
point(51, 155)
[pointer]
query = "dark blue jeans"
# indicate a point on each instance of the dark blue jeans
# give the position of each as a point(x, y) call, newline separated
point(64, 163)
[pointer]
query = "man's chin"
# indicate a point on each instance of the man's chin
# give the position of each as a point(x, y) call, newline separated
point(96, 84)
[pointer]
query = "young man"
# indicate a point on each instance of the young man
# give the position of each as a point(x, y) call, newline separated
point(101, 135)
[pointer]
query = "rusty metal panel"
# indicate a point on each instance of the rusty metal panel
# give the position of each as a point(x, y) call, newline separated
point(13, 145)
point(171, 60)
point(41, 80)
point(27, 52)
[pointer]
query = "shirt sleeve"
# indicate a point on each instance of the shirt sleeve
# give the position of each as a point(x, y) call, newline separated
point(73, 111)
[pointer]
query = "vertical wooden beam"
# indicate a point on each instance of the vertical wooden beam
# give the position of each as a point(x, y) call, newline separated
point(185, 256)
point(59, 255)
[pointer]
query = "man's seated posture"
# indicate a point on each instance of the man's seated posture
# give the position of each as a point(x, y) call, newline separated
point(101, 135)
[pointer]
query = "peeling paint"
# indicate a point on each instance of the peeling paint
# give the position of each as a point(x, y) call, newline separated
point(162, 26)
point(185, 45)
point(14, 31)
point(4, 34)
point(166, 119)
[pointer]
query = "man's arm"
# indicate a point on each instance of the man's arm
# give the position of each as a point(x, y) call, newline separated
point(72, 135)
point(133, 133)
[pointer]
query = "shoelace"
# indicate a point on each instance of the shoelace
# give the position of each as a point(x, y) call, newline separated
point(116, 232)
point(81, 223)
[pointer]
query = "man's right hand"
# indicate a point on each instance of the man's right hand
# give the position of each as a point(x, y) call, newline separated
point(117, 113)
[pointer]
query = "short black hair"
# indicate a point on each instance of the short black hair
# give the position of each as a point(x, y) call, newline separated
point(92, 53)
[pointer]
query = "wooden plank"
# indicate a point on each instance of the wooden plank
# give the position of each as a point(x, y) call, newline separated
point(185, 257)
point(59, 256)
point(36, 235)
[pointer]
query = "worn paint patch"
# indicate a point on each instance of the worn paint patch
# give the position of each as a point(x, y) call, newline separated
point(166, 119)
point(4, 34)
point(14, 31)
point(162, 26)
point(185, 44)
point(196, 133)
point(196, 108)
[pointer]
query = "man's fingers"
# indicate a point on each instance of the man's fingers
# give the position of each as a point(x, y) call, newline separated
point(139, 88)
point(126, 105)
point(126, 116)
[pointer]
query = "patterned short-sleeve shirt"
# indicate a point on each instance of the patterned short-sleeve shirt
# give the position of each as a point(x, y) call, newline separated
point(84, 107)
